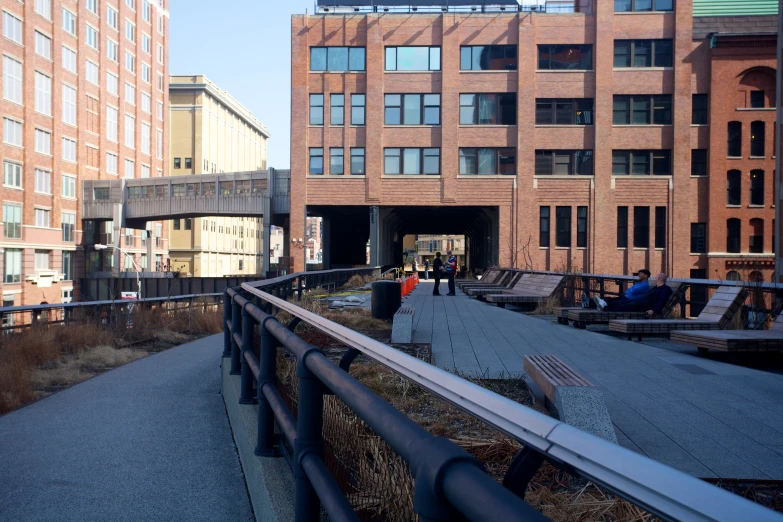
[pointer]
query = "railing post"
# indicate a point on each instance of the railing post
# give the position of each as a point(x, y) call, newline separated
point(267, 360)
point(309, 438)
point(246, 383)
point(226, 318)
point(299, 288)
point(236, 326)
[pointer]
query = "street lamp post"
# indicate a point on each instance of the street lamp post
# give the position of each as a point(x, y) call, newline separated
point(133, 261)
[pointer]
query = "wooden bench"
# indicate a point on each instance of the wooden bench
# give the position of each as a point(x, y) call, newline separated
point(490, 277)
point(561, 312)
point(734, 341)
point(402, 325)
point(581, 317)
point(717, 315)
point(569, 396)
point(507, 283)
point(532, 289)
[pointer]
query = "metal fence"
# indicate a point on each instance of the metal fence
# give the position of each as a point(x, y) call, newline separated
point(111, 287)
point(449, 484)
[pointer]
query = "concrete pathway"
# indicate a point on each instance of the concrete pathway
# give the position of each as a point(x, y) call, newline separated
point(704, 417)
point(147, 441)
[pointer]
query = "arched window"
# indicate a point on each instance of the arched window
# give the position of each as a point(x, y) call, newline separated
point(756, 236)
point(733, 275)
point(755, 277)
point(735, 139)
point(734, 187)
point(756, 139)
point(733, 229)
point(756, 187)
point(756, 88)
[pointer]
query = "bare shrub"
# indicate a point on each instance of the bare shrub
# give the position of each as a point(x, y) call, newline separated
point(547, 306)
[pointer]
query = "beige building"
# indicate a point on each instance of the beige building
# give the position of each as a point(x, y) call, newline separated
point(211, 133)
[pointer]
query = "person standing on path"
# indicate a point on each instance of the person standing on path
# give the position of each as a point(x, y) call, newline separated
point(414, 266)
point(451, 272)
point(437, 266)
point(426, 269)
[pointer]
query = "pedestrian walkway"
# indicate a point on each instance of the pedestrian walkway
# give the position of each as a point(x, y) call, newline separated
point(704, 417)
point(147, 441)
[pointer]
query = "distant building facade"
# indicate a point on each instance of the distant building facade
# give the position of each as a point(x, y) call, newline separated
point(211, 132)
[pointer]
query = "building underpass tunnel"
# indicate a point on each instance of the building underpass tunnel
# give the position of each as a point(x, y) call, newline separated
point(361, 235)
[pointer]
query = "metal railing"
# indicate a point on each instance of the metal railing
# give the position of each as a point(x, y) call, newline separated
point(343, 7)
point(449, 483)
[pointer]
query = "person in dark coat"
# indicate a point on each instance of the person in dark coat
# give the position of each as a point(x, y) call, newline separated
point(451, 272)
point(427, 269)
point(437, 266)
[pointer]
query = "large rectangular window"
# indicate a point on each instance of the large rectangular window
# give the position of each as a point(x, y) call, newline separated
point(642, 109)
point(357, 161)
point(621, 6)
point(43, 181)
point(563, 227)
point(316, 109)
point(42, 218)
point(660, 227)
point(564, 57)
point(487, 109)
point(12, 80)
point(12, 221)
point(316, 161)
point(69, 105)
point(488, 58)
point(413, 58)
point(67, 272)
point(43, 45)
point(411, 161)
point(757, 187)
point(69, 227)
point(734, 145)
point(641, 227)
point(69, 60)
point(42, 259)
point(733, 231)
point(485, 161)
point(564, 162)
point(643, 53)
point(12, 174)
point(12, 132)
point(622, 227)
point(757, 133)
point(12, 264)
point(43, 94)
point(699, 238)
point(412, 109)
point(564, 111)
point(12, 27)
point(543, 227)
point(358, 102)
point(758, 99)
point(641, 162)
point(698, 162)
point(43, 142)
point(336, 161)
point(337, 59)
point(337, 109)
point(581, 227)
point(699, 110)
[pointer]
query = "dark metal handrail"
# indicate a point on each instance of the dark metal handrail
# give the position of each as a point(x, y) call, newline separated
point(448, 481)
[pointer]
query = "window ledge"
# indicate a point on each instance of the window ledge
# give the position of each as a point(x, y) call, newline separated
point(700, 124)
point(757, 109)
point(626, 13)
point(482, 126)
point(697, 254)
point(335, 176)
point(640, 249)
point(402, 126)
point(565, 71)
point(733, 206)
point(734, 157)
point(543, 248)
point(11, 187)
point(338, 72)
point(757, 157)
point(411, 176)
point(642, 176)
point(640, 69)
point(699, 176)
point(642, 125)
point(491, 71)
point(757, 206)
point(563, 176)
point(486, 176)
point(552, 125)
point(412, 72)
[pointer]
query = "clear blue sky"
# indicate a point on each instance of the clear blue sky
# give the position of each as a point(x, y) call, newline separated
point(244, 46)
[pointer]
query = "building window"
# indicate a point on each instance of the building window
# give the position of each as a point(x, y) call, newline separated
point(146, 103)
point(641, 227)
point(621, 6)
point(13, 265)
point(412, 109)
point(12, 174)
point(12, 80)
point(43, 94)
point(69, 150)
point(733, 231)
point(146, 73)
point(12, 27)
point(43, 141)
point(563, 227)
point(130, 31)
point(69, 60)
point(622, 227)
point(337, 109)
point(357, 161)
point(69, 187)
point(581, 227)
point(188, 163)
point(188, 224)
point(642, 53)
point(757, 187)
point(699, 238)
point(92, 6)
point(67, 274)
point(12, 221)
point(130, 62)
point(175, 224)
point(734, 188)
point(112, 83)
point(44, 8)
point(91, 72)
point(735, 139)
point(698, 162)
point(560, 57)
point(488, 161)
point(146, 43)
point(488, 58)
point(543, 227)
point(660, 227)
point(69, 105)
point(92, 37)
point(130, 93)
point(411, 161)
point(12, 132)
point(699, 110)
point(337, 59)
point(487, 109)
point(564, 162)
point(111, 17)
point(316, 109)
point(642, 110)
point(641, 162)
point(336, 161)
point(758, 99)
point(756, 245)
point(111, 163)
point(43, 45)
point(130, 131)
point(564, 111)
point(757, 139)
point(412, 58)
point(177, 163)
point(146, 140)
point(111, 124)
point(43, 181)
point(42, 218)
point(358, 102)
point(130, 168)
point(316, 161)
point(69, 226)
point(69, 22)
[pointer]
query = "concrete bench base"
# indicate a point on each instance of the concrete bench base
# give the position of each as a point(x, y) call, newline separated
point(583, 407)
point(402, 327)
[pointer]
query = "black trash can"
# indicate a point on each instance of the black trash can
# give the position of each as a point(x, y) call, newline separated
point(386, 299)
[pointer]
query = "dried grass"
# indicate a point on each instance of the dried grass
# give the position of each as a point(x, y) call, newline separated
point(357, 281)
point(547, 307)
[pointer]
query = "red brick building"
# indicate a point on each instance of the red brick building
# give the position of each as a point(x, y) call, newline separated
point(602, 140)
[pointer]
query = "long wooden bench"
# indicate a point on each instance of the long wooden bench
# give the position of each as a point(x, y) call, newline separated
point(506, 284)
point(717, 315)
point(561, 312)
point(549, 372)
point(581, 317)
point(533, 289)
point(491, 276)
point(734, 341)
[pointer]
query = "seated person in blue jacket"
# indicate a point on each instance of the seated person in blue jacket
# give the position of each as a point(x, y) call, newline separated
point(652, 303)
point(637, 291)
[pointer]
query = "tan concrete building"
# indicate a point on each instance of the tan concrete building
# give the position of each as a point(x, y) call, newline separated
point(211, 132)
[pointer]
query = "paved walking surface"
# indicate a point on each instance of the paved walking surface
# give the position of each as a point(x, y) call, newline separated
point(147, 441)
point(704, 417)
